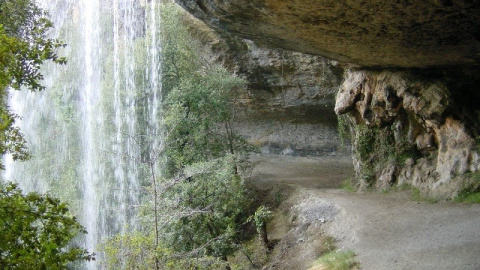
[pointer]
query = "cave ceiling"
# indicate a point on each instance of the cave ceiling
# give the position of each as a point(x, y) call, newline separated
point(374, 33)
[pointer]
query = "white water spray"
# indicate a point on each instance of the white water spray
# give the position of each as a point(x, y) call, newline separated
point(88, 130)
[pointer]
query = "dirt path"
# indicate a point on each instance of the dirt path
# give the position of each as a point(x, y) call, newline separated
point(386, 231)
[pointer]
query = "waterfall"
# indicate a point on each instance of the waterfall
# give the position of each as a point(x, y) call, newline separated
point(92, 130)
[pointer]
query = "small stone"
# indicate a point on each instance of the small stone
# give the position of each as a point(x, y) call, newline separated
point(409, 162)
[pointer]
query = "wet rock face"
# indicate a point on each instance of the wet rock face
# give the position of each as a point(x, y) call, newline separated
point(410, 128)
point(375, 33)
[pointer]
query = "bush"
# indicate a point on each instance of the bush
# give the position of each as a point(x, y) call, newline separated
point(37, 231)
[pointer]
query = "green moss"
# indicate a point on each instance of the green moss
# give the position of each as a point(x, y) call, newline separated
point(468, 198)
point(405, 151)
point(377, 147)
point(419, 197)
point(344, 132)
point(338, 260)
point(367, 152)
point(471, 190)
point(349, 185)
point(403, 187)
point(329, 244)
point(477, 143)
point(366, 137)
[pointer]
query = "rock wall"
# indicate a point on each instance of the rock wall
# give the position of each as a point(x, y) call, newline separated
point(418, 128)
point(287, 106)
point(410, 96)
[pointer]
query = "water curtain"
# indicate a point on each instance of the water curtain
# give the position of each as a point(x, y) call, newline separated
point(94, 129)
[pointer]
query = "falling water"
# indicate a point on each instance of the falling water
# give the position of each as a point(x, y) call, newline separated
point(92, 130)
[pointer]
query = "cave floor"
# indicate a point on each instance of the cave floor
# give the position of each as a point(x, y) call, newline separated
point(385, 230)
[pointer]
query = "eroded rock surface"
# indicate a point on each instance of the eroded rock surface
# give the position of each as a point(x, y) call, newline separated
point(411, 129)
point(364, 33)
point(412, 93)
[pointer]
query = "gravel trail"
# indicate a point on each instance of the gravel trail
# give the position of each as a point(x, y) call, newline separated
point(386, 231)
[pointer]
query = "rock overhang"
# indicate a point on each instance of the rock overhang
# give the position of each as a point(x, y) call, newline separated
point(374, 33)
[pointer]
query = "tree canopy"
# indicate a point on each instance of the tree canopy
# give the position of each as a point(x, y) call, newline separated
point(201, 147)
point(24, 48)
point(202, 199)
point(36, 231)
point(25, 44)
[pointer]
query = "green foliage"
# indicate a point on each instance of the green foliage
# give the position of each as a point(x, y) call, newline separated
point(343, 128)
point(366, 138)
point(201, 145)
point(36, 231)
point(405, 151)
point(208, 211)
point(416, 194)
point(468, 197)
point(338, 260)
point(24, 47)
point(201, 194)
point(136, 250)
point(376, 147)
point(253, 255)
point(349, 185)
point(198, 118)
point(200, 263)
point(11, 139)
point(53, 163)
point(261, 217)
point(132, 250)
point(365, 150)
point(27, 26)
point(471, 191)
point(180, 52)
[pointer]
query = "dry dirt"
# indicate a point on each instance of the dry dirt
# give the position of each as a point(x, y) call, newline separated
point(386, 231)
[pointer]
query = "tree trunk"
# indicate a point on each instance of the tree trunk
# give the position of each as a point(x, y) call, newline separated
point(263, 235)
point(155, 206)
point(229, 131)
point(227, 267)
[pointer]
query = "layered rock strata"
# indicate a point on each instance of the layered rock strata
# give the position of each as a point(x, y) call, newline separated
point(287, 105)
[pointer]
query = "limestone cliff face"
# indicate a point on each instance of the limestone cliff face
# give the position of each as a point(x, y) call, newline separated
point(410, 94)
point(364, 33)
point(287, 106)
point(412, 128)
